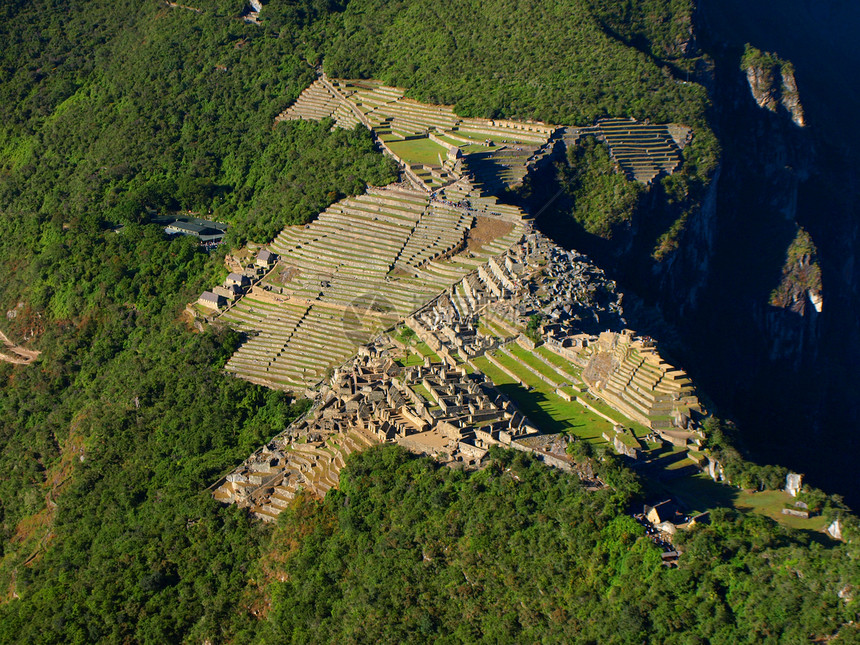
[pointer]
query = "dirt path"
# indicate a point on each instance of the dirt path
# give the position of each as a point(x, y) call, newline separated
point(182, 6)
point(19, 356)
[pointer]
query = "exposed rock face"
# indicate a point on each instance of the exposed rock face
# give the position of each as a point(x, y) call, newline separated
point(762, 340)
point(835, 531)
point(685, 272)
point(791, 97)
point(763, 87)
point(773, 84)
point(715, 470)
point(796, 303)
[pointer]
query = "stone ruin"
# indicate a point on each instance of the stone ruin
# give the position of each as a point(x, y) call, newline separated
point(626, 371)
point(572, 297)
point(368, 261)
point(413, 252)
point(429, 409)
point(793, 484)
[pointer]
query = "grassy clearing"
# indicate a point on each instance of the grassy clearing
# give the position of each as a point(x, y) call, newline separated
point(771, 503)
point(700, 493)
point(544, 408)
point(421, 151)
point(535, 382)
point(404, 334)
point(412, 358)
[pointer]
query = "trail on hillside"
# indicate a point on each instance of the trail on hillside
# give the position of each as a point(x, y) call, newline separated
point(20, 356)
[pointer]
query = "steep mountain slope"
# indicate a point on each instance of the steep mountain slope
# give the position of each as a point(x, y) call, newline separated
point(793, 326)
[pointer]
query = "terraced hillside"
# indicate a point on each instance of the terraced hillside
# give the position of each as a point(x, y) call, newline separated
point(268, 480)
point(438, 148)
point(429, 140)
point(368, 261)
point(630, 375)
point(642, 150)
point(363, 264)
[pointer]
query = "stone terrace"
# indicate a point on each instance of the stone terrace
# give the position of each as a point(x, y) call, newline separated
point(362, 265)
point(307, 457)
point(318, 102)
point(428, 140)
point(642, 150)
point(634, 379)
point(493, 154)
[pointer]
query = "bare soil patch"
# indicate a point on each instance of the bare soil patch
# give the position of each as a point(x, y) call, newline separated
point(486, 230)
point(17, 355)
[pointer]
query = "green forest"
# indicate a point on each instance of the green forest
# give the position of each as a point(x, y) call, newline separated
point(112, 113)
point(407, 551)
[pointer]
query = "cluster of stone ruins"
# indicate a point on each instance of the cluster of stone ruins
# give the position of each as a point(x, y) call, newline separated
point(238, 282)
point(445, 406)
point(437, 262)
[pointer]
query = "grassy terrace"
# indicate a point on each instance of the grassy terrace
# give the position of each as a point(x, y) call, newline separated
point(425, 394)
point(555, 359)
point(700, 493)
point(552, 414)
point(484, 330)
point(638, 429)
point(492, 328)
point(424, 349)
point(478, 147)
point(548, 411)
point(510, 137)
point(448, 139)
point(421, 151)
point(529, 359)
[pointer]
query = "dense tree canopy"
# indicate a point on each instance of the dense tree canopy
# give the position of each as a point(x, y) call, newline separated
point(407, 551)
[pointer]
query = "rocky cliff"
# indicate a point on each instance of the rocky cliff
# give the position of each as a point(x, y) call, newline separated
point(772, 83)
point(772, 334)
point(757, 268)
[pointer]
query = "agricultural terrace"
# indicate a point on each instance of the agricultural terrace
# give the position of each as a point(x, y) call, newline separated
point(361, 266)
point(436, 147)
